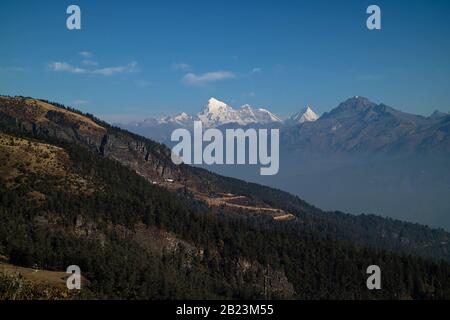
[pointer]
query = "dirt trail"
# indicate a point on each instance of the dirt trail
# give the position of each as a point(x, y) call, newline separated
point(225, 199)
point(277, 214)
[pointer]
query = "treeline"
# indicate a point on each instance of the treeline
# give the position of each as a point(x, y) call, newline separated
point(318, 265)
point(367, 230)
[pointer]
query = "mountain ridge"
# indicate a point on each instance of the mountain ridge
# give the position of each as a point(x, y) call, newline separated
point(359, 125)
point(190, 236)
point(151, 160)
point(305, 115)
point(216, 113)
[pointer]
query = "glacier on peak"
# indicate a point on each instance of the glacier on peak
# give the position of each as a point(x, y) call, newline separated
point(216, 113)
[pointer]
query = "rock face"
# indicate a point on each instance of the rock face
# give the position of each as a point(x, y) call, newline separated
point(39, 117)
point(275, 285)
point(360, 126)
point(149, 159)
point(146, 157)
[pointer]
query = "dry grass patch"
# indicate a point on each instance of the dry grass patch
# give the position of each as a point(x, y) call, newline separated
point(21, 157)
point(35, 111)
point(54, 278)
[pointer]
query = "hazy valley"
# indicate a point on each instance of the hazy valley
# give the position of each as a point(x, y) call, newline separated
point(76, 190)
point(361, 157)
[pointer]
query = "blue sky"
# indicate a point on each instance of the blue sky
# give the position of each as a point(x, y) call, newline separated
point(139, 58)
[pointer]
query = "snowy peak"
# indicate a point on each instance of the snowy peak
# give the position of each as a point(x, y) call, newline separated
point(262, 116)
point(217, 113)
point(180, 118)
point(305, 115)
point(215, 106)
point(265, 116)
point(246, 114)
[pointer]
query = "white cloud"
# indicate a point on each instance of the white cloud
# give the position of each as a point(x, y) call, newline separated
point(257, 70)
point(202, 79)
point(88, 62)
point(181, 67)
point(109, 71)
point(65, 67)
point(85, 54)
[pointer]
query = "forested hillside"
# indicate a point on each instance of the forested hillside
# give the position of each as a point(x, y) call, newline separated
point(64, 202)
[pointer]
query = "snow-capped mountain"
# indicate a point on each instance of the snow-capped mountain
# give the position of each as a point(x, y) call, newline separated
point(305, 115)
point(216, 113)
point(180, 119)
point(258, 115)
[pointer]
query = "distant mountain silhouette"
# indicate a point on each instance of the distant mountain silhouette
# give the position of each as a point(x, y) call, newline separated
point(361, 126)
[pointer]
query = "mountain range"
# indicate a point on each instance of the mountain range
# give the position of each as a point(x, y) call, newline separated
point(76, 190)
point(359, 148)
point(357, 125)
point(216, 114)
